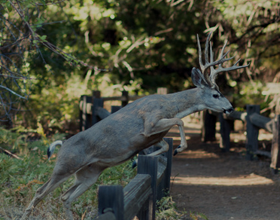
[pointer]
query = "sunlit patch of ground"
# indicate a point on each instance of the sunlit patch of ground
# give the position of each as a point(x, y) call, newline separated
point(246, 180)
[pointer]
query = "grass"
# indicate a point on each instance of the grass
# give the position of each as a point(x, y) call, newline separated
point(20, 178)
point(167, 210)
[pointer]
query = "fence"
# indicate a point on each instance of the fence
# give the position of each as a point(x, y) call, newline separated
point(139, 197)
point(92, 111)
point(152, 181)
point(254, 121)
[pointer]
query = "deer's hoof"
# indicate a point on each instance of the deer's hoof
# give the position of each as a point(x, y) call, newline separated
point(176, 151)
point(134, 164)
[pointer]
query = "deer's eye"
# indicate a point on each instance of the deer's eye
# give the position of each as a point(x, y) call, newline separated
point(216, 96)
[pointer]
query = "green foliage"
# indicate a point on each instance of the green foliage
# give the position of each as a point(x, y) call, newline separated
point(250, 93)
point(132, 45)
point(11, 139)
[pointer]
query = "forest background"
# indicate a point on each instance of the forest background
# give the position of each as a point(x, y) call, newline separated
point(52, 52)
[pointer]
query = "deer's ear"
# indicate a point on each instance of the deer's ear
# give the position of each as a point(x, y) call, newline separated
point(198, 78)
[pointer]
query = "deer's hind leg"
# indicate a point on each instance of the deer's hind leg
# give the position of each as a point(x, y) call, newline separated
point(164, 125)
point(85, 178)
point(163, 148)
point(44, 190)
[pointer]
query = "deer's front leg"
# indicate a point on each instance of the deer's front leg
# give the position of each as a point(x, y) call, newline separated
point(164, 125)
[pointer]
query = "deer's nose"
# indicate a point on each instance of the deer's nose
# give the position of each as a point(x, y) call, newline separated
point(227, 111)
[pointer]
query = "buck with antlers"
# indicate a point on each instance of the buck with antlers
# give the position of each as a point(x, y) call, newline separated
point(133, 128)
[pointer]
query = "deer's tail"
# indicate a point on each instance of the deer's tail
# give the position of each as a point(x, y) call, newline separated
point(52, 147)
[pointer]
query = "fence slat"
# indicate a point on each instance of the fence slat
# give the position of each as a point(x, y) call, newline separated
point(225, 133)
point(236, 115)
point(125, 98)
point(169, 156)
point(115, 108)
point(111, 197)
point(275, 148)
point(85, 117)
point(136, 193)
point(106, 216)
point(97, 103)
point(262, 121)
point(149, 165)
point(102, 112)
point(208, 131)
point(252, 131)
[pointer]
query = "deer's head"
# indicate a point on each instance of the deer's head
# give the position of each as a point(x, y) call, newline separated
point(205, 82)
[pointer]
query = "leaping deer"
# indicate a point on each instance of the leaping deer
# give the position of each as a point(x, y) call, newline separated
point(133, 128)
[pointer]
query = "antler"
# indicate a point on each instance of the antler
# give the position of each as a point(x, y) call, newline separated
point(214, 72)
point(207, 64)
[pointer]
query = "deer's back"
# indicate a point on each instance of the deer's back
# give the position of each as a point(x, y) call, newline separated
point(119, 136)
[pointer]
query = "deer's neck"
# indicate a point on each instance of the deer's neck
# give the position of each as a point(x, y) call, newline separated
point(187, 102)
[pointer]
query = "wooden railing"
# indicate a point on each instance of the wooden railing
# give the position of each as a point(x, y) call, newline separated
point(254, 122)
point(91, 107)
point(139, 197)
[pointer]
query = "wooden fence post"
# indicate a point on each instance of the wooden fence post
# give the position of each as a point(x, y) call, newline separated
point(96, 102)
point(252, 132)
point(149, 165)
point(169, 156)
point(208, 130)
point(126, 98)
point(111, 199)
point(225, 133)
point(115, 108)
point(275, 148)
point(85, 118)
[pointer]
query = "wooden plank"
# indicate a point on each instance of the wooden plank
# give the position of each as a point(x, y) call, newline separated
point(126, 98)
point(111, 198)
point(136, 193)
point(225, 133)
point(106, 216)
point(115, 98)
point(102, 112)
point(84, 116)
point(96, 94)
point(135, 97)
point(169, 157)
point(209, 126)
point(88, 105)
point(149, 165)
point(252, 132)
point(161, 168)
point(263, 153)
point(123, 98)
point(115, 108)
point(262, 121)
point(160, 176)
point(236, 115)
point(97, 103)
point(275, 148)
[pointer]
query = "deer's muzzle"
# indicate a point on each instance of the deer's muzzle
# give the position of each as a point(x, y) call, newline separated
point(228, 111)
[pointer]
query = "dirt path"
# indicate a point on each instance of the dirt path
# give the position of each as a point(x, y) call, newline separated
point(223, 186)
